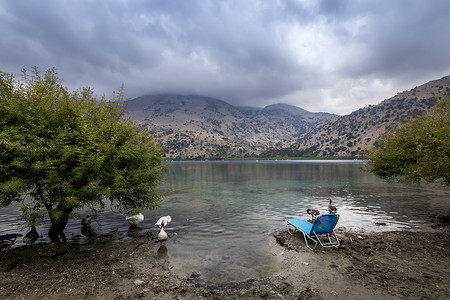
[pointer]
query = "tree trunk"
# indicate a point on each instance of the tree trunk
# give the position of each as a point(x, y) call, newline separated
point(58, 225)
point(57, 231)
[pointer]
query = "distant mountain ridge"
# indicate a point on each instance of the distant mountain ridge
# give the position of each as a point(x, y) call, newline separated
point(198, 127)
point(352, 135)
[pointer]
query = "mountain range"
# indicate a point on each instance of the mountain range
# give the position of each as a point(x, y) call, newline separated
point(198, 127)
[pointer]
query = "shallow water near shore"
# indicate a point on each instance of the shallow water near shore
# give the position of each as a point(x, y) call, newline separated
point(225, 213)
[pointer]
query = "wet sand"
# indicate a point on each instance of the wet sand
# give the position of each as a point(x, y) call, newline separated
point(389, 265)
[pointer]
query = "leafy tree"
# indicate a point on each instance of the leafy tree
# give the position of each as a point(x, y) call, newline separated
point(61, 150)
point(416, 150)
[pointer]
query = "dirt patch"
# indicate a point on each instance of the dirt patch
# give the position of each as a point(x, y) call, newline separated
point(391, 265)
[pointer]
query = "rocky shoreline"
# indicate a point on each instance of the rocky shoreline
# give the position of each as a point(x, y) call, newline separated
point(389, 265)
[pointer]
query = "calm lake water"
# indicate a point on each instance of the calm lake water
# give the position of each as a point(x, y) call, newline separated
point(225, 213)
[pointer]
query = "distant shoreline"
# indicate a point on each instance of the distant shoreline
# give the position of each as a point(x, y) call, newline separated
point(273, 159)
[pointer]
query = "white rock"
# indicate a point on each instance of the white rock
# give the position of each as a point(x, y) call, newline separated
point(138, 282)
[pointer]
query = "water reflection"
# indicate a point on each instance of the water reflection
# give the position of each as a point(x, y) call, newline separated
point(162, 252)
point(134, 231)
point(224, 214)
point(87, 231)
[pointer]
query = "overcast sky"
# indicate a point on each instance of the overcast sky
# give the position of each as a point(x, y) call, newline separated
point(333, 56)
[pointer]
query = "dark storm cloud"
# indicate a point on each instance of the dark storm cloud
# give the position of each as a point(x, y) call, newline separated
point(334, 56)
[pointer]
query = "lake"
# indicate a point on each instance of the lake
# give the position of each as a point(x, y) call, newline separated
point(225, 213)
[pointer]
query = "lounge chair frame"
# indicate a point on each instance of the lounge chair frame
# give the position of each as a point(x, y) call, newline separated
point(320, 232)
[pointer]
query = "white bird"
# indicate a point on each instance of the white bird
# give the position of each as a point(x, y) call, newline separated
point(163, 221)
point(162, 235)
point(331, 208)
point(135, 220)
point(31, 236)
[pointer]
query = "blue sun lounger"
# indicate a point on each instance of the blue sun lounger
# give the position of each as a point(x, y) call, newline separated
point(321, 231)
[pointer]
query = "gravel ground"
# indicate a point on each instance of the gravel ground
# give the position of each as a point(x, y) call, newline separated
point(390, 265)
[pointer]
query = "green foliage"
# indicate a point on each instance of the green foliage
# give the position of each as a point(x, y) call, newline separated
point(62, 150)
point(416, 150)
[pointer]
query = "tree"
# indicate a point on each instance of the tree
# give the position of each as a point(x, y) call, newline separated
point(416, 150)
point(61, 151)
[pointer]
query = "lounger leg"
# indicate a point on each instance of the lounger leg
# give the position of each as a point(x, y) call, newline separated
point(287, 225)
point(306, 242)
point(338, 241)
point(329, 239)
point(330, 242)
point(333, 244)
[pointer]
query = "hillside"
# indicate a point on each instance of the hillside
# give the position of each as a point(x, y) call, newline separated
point(196, 127)
point(352, 135)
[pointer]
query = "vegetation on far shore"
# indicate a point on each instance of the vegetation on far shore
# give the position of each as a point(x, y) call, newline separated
point(416, 150)
point(268, 158)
